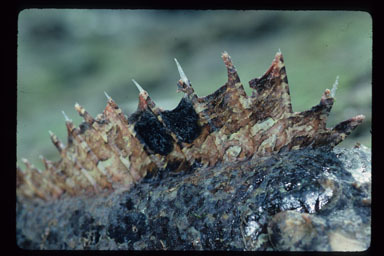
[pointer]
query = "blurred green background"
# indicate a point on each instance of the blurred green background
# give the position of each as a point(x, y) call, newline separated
point(69, 56)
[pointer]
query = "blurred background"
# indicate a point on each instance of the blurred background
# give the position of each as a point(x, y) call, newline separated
point(69, 56)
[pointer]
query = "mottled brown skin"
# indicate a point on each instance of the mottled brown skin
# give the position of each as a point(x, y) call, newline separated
point(115, 152)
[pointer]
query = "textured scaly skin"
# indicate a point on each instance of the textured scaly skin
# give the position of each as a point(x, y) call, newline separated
point(112, 151)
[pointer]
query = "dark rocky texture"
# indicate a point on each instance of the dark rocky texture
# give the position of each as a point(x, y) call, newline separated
point(300, 200)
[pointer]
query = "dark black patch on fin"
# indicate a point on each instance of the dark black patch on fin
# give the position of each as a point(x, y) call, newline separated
point(260, 84)
point(153, 134)
point(83, 127)
point(182, 121)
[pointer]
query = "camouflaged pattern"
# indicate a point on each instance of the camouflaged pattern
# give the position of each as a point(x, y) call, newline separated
point(113, 152)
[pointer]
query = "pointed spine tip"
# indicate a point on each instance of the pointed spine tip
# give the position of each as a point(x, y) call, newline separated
point(44, 160)
point(27, 164)
point(233, 76)
point(279, 52)
point(334, 87)
point(56, 141)
point(141, 90)
point(106, 95)
point(278, 61)
point(183, 77)
point(78, 107)
point(66, 117)
point(227, 59)
point(347, 126)
point(359, 118)
point(87, 117)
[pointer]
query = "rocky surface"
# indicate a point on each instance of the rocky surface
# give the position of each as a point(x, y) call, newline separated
point(317, 200)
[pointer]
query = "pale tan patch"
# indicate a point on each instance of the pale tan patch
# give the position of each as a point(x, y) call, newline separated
point(342, 242)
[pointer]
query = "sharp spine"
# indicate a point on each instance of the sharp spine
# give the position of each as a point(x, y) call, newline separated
point(66, 117)
point(334, 87)
point(128, 166)
point(106, 95)
point(141, 90)
point(181, 72)
point(82, 112)
point(58, 144)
